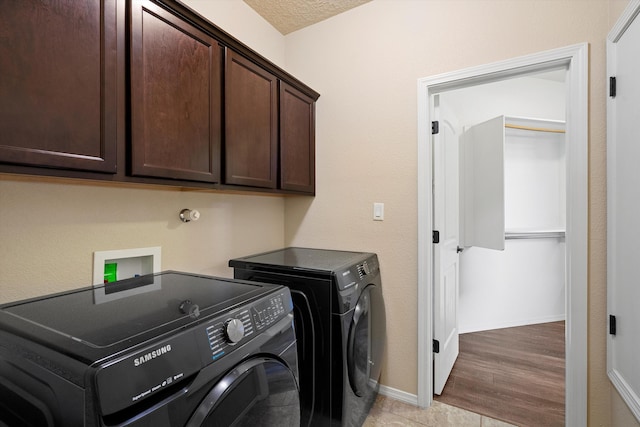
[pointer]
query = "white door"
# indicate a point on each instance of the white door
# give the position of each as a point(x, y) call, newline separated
point(446, 265)
point(623, 209)
point(482, 172)
point(576, 59)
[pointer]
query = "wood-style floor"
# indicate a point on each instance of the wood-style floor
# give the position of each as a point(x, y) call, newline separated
point(515, 375)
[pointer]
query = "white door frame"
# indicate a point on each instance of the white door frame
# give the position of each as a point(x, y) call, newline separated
point(575, 59)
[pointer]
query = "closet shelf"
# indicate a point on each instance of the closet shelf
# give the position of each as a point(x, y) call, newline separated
point(533, 234)
point(534, 124)
point(535, 129)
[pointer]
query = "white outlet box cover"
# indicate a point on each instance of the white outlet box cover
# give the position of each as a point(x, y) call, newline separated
point(100, 257)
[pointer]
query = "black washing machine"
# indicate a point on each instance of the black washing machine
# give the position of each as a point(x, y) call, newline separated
point(340, 327)
point(170, 349)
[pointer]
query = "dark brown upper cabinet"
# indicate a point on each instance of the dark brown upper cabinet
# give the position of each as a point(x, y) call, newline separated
point(251, 123)
point(58, 88)
point(297, 140)
point(176, 97)
point(147, 91)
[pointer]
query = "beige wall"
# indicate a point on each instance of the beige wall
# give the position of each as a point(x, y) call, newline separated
point(49, 230)
point(366, 63)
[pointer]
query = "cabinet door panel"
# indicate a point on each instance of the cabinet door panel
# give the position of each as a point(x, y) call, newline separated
point(58, 84)
point(175, 97)
point(251, 144)
point(297, 140)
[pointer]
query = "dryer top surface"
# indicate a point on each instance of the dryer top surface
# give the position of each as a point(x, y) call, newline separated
point(307, 258)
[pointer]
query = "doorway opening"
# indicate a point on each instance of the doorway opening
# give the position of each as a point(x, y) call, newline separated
point(499, 167)
point(573, 59)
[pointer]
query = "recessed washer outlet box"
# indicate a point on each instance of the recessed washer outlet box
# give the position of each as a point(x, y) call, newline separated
point(130, 263)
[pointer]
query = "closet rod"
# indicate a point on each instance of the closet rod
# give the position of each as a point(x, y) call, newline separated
point(534, 128)
point(509, 235)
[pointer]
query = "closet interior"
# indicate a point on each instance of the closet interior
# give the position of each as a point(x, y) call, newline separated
point(511, 304)
point(521, 279)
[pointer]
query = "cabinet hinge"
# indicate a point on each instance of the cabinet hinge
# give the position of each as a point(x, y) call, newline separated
point(612, 324)
point(436, 236)
point(435, 127)
point(612, 87)
point(436, 346)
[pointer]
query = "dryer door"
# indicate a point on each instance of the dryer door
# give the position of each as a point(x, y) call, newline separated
point(259, 391)
point(359, 344)
point(366, 341)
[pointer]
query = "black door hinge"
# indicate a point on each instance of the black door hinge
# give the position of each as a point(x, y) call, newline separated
point(435, 127)
point(612, 324)
point(612, 87)
point(436, 346)
point(436, 236)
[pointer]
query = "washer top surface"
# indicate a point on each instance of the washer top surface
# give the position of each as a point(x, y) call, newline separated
point(306, 258)
point(125, 311)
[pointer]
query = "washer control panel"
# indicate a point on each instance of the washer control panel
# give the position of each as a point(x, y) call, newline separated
point(161, 364)
point(233, 331)
point(268, 312)
point(224, 333)
point(242, 325)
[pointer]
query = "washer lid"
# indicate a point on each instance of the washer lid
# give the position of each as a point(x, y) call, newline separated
point(130, 310)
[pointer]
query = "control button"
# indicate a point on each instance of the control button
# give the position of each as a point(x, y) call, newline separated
point(365, 267)
point(234, 330)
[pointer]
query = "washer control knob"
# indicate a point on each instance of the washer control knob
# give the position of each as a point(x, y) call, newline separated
point(233, 330)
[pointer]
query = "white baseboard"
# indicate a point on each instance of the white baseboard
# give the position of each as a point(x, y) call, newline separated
point(400, 395)
point(626, 392)
point(511, 324)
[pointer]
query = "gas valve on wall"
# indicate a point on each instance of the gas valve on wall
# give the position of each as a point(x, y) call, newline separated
point(187, 215)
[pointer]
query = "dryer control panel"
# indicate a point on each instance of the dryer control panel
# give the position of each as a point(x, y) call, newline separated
point(353, 275)
point(353, 279)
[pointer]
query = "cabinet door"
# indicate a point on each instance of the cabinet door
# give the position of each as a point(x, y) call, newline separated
point(297, 140)
point(175, 97)
point(58, 84)
point(251, 144)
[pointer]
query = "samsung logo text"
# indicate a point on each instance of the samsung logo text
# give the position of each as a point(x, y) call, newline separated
point(152, 355)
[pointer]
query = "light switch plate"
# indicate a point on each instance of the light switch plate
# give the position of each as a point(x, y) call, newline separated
point(378, 211)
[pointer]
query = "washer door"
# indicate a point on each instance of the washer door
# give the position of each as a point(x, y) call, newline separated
point(259, 391)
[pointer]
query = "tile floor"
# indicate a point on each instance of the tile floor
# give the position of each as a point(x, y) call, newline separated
point(391, 412)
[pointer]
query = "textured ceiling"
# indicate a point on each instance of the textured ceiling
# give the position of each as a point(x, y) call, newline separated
point(291, 15)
